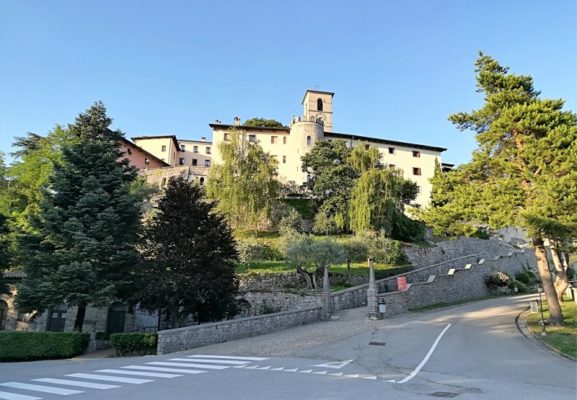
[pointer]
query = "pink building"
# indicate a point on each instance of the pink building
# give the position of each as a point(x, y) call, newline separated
point(140, 158)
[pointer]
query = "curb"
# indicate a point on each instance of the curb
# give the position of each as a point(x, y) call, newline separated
point(521, 324)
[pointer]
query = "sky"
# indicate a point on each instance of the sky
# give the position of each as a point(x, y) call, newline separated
point(398, 68)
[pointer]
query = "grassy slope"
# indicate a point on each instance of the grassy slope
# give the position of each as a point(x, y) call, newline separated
point(564, 338)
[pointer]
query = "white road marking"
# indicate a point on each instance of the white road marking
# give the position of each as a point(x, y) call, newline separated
point(252, 367)
point(14, 396)
point(371, 377)
point(308, 371)
point(66, 382)
point(291, 370)
point(422, 364)
point(352, 376)
point(200, 360)
point(138, 373)
point(264, 368)
point(335, 365)
point(336, 374)
point(110, 378)
point(277, 369)
point(240, 366)
point(176, 370)
point(231, 357)
point(40, 388)
point(320, 372)
point(187, 365)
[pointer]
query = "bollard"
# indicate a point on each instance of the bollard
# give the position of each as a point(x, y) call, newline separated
point(533, 306)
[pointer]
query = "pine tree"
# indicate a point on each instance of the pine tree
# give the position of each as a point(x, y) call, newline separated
point(188, 258)
point(524, 172)
point(4, 252)
point(84, 233)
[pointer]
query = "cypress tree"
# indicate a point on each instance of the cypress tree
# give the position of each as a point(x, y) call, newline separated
point(84, 235)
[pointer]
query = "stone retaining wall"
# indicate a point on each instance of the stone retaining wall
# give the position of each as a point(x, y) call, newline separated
point(200, 335)
point(266, 302)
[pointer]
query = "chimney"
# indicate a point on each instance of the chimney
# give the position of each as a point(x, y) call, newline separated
point(236, 121)
point(203, 139)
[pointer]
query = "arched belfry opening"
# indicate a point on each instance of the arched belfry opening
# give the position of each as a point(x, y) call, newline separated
point(319, 104)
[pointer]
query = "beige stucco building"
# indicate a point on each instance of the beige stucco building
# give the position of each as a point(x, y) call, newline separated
point(289, 144)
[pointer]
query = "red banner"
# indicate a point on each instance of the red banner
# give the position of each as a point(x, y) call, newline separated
point(402, 283)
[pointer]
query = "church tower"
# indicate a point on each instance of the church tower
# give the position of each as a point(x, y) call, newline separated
point(318, 106)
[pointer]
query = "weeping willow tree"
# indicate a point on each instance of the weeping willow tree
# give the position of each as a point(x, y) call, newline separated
point(245, 183)
point(379, 194)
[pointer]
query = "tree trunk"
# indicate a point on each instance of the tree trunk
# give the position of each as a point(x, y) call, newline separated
point(80, 314)
point(561, 280)
point(555, 314)
point(309, 277)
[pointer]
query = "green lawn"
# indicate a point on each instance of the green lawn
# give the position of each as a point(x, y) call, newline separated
point(564, 338)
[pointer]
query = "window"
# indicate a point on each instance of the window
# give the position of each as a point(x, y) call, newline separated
point(207, 163)
point(201, 181)
point(319, 104)
point(163, 182)
point(208, 150)
point(309, 141)
point(146, 161)
point(272, 139)
point(194, 162)
point(418, 189)
point(163, 148)
point(182, 147)
point(416, 153)
point(284, 159)
point(195, 149)
point(129, 151)
point(181, 161)
point(391, 150)
point(416, 171)
point(284, 140)
point(252, 138)
point(391, 166)
point(226, 136)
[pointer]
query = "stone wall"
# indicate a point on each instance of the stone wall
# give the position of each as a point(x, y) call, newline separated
point(264, 282)
point(266, 302)
point(467, 282)
point(450, 249)
point(200, 335)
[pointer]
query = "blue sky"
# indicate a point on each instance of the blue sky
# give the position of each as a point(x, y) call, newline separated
point(398, 67)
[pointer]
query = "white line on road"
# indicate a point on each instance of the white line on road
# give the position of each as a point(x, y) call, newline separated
point(138, 373)
point(422, 364)
point(176, 370)
point(40, 388)
point(14, 396)
point(188, 365)
point(200, 360)
point(66, 382)
point(110, 378)
point(230, 357)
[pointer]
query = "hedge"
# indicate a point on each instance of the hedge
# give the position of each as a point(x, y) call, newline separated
point(26, 346)
point(134, 344)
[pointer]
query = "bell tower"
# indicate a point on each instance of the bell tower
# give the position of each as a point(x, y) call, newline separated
point(318, 106)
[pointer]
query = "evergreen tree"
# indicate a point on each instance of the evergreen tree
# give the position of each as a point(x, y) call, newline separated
point(4, 252)
point(245, 184)
point(82, 239)
point(188, 258)
point(332, 179)
point(524, 172)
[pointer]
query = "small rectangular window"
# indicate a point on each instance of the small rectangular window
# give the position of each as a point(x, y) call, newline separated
point(391, 166)
point(181, 161)
point(284, 159)
point(163, 182)
point(391, 150)
point(194, 161)
point(208, 150)
point(163, 148)
point(195, 149)
point(416, 153)
point(226, 136)
point(272, 139)
point(207, 163)
point(284, 140)
point(146, 161)
point(416, 171)
point(182, 147)
point(252, 138)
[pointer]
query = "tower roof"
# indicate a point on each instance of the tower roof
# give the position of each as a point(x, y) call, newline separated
point(315, 91)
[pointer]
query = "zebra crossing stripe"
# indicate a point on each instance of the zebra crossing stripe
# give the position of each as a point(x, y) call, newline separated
point(211, 361)
point(187, 365)
point(277, 369)
point(230, 357)
point(320, 372)
point(40, 388)
point(110, 378)
point(66, 382)
point(138, 373)
point(14, 396)
point(160, 369)
point(308, 371)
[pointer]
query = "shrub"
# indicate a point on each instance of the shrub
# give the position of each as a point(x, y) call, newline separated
point(26, 346)
point(356, 250)
point(137, 344)
point(252, 249)
point(521, 287)
point(324, 224)
point(292, 221)
point(382, 249)
point(497, 279)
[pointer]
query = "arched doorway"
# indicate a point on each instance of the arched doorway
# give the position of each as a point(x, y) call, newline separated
point(3, 314)
point(116, 318)
point(57, 318)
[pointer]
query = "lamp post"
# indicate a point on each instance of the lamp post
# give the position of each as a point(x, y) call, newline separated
point(543, 330)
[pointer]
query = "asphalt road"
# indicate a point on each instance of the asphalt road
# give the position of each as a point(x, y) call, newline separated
point(472, 351)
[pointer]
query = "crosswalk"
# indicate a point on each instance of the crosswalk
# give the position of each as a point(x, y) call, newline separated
point(138, 374)
point(113, 378)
